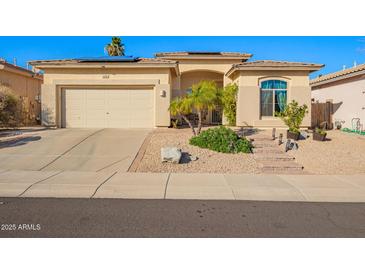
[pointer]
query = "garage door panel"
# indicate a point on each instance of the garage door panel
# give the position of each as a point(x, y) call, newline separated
point(95, 115)
point(118, 94)
point(75, 93)
point(111, 108)
point(119, 114)
point(97, 123)
point(118, 123)
point(75, 120)
point(74, 108)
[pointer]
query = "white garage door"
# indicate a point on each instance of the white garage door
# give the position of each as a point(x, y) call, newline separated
point(109, 108)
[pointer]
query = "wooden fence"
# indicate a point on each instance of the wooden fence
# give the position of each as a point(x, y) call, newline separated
point(322, 112)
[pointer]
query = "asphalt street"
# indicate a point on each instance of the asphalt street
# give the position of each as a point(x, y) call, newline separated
point(45, 217)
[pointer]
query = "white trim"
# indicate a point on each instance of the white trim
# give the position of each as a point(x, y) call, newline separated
point(264, 79)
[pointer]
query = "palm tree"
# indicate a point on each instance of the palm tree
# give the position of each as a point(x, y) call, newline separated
point(115, 48)
point(204, 96)
point(181, 106)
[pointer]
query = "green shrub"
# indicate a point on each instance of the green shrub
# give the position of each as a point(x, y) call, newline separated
point(229, 102)
point(221, 139)
point(293, 115)
point(320, 131)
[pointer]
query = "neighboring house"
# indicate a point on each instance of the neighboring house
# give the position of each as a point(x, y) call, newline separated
point(26, 84)
point(127, 92)
point(346, 91)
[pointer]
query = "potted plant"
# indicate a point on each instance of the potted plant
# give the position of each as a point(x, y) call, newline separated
point(319, 134)
point(293, 116)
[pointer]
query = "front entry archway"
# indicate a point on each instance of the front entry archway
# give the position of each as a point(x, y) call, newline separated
point(189, 78)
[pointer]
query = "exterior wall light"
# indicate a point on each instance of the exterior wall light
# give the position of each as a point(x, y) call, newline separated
point(163, 93)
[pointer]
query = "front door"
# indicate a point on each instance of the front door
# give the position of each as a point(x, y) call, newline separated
point(217, 116)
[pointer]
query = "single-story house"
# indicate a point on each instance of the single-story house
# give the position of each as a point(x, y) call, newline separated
point(26, 84)
point(128, 92)
point(345, 89)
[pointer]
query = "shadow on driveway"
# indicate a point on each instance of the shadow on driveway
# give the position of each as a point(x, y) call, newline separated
point(19, 141)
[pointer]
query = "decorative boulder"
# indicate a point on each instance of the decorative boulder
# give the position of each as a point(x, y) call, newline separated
point(291, 145)
point(193, 158)
point(294, 146)
point(170, 155)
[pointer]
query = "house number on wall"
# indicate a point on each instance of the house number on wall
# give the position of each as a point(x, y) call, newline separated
point(105, 76)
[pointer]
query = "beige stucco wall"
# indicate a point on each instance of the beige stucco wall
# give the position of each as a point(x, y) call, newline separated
point(113, 73)
point(348, 98)
point(56, 79)
point(200, 67)
point(26, 86)
point(248, 98)
point(189, 78)
point(193, 71)
point(164, 80)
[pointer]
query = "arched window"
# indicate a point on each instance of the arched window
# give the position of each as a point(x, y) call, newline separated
point(272, 97)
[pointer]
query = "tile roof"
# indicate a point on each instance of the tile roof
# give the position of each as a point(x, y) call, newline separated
point(20, 69)
point(206, 53)
point(338, 75)
point(272, 63)
point(156, 60)
point(77, 61)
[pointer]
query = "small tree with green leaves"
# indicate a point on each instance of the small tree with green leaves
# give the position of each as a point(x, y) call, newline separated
point(293, 115)
point(115, 48)
point(204, 96)
point(228, 99)
point(180, 106)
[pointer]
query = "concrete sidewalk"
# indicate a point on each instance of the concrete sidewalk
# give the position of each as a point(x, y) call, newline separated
point(72, 184)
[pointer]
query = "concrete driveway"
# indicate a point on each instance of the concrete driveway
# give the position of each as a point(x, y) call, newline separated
point(106, 150)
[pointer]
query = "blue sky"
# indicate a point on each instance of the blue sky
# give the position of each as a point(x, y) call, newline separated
point(334, 52)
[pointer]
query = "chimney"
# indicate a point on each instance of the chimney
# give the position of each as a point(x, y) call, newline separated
point(14, 61)
point(343, 67)
point(355, 64)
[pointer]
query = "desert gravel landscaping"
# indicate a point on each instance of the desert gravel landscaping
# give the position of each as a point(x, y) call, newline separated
point(208, 161)
point(342, 153)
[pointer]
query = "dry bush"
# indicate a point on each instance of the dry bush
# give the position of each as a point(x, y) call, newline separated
point(13, 109)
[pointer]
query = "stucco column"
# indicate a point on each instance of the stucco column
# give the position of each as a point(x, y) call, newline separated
point(162, 104)
point(226, 81)
point(48, 107)
point(248, 105)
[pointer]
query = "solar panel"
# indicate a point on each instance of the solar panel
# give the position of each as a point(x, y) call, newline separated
point(108, 59)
